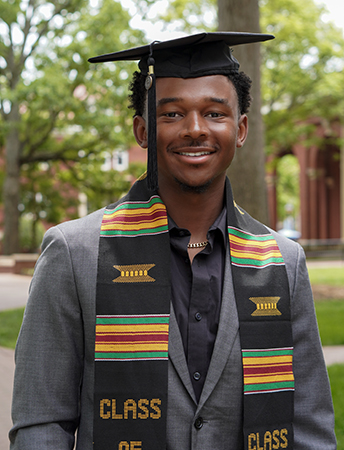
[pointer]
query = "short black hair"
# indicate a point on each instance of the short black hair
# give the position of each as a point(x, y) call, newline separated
point(137, 98)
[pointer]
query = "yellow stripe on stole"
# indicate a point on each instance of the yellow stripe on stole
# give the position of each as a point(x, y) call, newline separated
point(267, 360)
point(268, 378)
point(133, 226)
point(136, 212)
point(256, 255)
point(131, 329)
point(251, 242)
point(137, 347)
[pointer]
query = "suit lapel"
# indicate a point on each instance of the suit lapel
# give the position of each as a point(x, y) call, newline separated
point(227, 332)
point(177, 355)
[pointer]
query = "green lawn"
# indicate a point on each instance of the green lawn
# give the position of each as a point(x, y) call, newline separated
point(333, 276)
point(10, 322)
point(330, 314)
point(336, 374)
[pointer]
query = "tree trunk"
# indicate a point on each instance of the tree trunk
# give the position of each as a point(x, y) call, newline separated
point(247, 171)
point(12, 185)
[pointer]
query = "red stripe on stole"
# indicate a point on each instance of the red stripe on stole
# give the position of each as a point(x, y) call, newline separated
point(163, 337)
point(288, 368)
point(135, 218)
point(254, 248)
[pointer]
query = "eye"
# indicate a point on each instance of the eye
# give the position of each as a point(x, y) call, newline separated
point(171, 114)
point(214, 115)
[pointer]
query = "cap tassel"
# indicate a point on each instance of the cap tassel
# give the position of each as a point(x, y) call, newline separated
point(152, 163)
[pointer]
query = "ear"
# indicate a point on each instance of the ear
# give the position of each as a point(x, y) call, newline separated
point(140, 131)
point(242, 130)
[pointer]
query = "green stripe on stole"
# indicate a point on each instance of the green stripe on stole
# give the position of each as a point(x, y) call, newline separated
point(132, 307)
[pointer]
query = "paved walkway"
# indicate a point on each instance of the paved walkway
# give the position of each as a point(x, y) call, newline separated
point(6, 381)
point(13, 294)
point(13, 291)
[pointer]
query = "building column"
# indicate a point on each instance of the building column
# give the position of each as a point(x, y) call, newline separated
point(302, 155)
point(312, 173)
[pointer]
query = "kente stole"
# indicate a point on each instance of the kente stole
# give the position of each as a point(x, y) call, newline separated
point(132, 322)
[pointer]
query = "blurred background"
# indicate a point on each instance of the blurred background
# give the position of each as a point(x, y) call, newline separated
point(66, 145)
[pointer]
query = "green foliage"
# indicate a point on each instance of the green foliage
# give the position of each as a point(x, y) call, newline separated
point(49, 192)
point(336, 374)
point(136, 169)
point(70, 112)
point(103, 188)
point(192, 15)
point(302, 71)
point(31, 233)
point(333, 276)
point(10, 323)
point(288, 199)
point(181, 15)
point(70, 105)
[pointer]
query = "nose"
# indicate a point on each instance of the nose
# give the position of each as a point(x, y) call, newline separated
point(195, 126)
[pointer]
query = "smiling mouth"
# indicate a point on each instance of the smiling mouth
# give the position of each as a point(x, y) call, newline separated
point(194, 154)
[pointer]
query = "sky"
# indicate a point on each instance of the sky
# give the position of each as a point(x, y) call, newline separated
point(336, 11)
point(155, 32)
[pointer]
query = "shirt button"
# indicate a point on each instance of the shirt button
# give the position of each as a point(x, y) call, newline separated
point(198, 423)
point(196, 376)
point(198, 316)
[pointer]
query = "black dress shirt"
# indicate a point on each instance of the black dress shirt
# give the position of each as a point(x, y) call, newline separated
point(197, 293)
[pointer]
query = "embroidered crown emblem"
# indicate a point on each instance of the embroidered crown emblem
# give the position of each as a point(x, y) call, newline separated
point(134, 273)
point(266, 306)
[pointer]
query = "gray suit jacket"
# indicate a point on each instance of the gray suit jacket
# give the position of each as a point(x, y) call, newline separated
point(53, 386)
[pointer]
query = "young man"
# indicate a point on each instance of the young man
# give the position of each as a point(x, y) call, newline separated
point(172, 319)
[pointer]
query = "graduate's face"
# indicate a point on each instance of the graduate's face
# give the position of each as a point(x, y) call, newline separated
point(198, 129)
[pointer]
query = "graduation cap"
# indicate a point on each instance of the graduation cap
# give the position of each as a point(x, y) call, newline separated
point(192, 56)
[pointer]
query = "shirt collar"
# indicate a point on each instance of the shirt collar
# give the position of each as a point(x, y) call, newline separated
point(180, 236)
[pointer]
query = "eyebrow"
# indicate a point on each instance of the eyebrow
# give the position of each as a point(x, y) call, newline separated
point(222, 101)
point(166, 100)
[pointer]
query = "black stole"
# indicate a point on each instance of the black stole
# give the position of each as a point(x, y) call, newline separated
point(132, 309)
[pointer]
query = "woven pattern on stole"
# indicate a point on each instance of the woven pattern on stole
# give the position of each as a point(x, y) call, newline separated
point(132, 338)
point(255, 251)
point(132, 322)
point(135, 219)
point(263, 303)
point(267, 371)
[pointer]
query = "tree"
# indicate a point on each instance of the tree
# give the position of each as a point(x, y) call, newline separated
point(20, 21)
point(55, 106)
point(247, 172)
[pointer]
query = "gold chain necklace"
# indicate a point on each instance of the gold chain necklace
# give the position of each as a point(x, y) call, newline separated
point(198, 244)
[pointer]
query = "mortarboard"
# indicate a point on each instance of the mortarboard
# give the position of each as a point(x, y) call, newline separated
point(192, 56)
